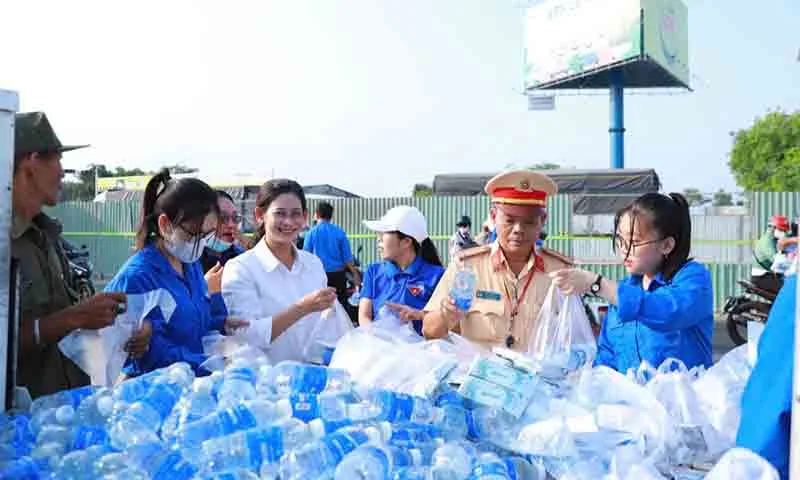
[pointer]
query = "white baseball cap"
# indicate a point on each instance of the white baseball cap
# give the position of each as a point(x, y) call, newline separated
point(404, 219)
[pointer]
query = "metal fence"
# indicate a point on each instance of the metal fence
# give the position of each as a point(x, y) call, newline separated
point(765, 204)
point(722, 242)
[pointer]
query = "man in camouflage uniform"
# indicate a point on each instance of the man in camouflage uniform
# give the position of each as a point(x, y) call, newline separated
point(48, 305)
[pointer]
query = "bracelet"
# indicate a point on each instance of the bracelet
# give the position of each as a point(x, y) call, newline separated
point(36, 335)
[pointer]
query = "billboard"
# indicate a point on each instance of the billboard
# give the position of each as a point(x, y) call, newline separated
point(666, 36)
point(564, 38)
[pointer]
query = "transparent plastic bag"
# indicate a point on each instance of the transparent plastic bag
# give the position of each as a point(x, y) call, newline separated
point(742, 464)
point(332, 325)
point(562, 338)
point(388, 321)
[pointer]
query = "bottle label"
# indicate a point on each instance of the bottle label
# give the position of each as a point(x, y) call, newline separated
point(490, 470)
point(264, 445)
point(342, 443)
point(162, 398)
point(402, 458)
point(312, 380)
point(463, 303)
point(472, 426)
point(511, 469)
point(237, 418)
point(242, 374)
point(174, 467)
point(305, 406)
point(401, 406)
point(85, 437)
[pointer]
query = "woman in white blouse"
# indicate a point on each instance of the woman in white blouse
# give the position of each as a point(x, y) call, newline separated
point(279, 289)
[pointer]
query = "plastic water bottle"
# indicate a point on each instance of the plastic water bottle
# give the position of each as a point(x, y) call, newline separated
point(132, 389)
point(355, 298)
point(321, 427)
point(60, 434)
point(376, 462)
point(160, 462)
point(411, 435)
point(489, 466)
point(23, 468)
point(78, 465)
point(238, 385)
point(233, 475)
point(395, 407)
point(88, 436)
point(325, 454)
point(195, 406)
point(141, 422)
point(521, 469)
point(95, 409)
point(412, 473)
point(463, 290)
point(253, 448)
point(453, 460)
point(71, 397)
point(494, 426)
point(261, 413)
point(328, 406)
point(288, 377)
point(110, 463)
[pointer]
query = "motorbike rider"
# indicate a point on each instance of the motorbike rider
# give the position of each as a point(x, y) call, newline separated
point(764, 254)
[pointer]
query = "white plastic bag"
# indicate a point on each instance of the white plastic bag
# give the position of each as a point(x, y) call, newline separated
point(333, 324)
point(101, 353)
point(742, 464)
point(562, 338)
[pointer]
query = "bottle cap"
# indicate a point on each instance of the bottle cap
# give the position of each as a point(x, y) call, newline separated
point(317, 428)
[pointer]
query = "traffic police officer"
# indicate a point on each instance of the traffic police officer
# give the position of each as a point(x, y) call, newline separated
point(512, 275)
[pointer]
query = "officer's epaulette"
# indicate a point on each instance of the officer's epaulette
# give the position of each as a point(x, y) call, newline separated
point(473, 252)
point(558, 256)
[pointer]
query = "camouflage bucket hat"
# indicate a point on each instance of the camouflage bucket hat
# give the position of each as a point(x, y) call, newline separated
point(34, 134)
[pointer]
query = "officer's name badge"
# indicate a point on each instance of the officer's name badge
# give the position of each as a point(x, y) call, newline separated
point(487, 295)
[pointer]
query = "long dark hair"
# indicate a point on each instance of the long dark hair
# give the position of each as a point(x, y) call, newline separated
point(669, 216)
point(426, 249)
point(273, 189)
point(186, 200)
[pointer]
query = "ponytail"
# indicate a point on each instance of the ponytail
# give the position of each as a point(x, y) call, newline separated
point(184, 201)
point(427, 250)
point(148, 223)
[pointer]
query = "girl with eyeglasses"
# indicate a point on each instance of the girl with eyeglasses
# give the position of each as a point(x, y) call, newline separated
point(664, 308)
point(281, 290)
point(178, 219)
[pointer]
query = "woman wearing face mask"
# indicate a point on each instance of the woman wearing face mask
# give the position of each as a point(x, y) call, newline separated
point(665, 307)
point(279, 289)
point(178, 218)
point(223, 246)
point(410, 271)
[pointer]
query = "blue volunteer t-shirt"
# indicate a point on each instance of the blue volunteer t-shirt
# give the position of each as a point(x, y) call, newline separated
point(385, 282)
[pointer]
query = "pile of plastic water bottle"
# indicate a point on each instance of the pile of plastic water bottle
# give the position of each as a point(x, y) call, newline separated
point(295, 421)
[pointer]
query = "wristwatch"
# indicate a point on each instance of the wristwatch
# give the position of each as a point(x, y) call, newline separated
point(595, 288)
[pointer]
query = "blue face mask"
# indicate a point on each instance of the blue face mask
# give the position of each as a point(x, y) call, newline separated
point(217, 245)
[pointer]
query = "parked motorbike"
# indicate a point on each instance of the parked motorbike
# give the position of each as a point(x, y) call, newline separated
point(352, 310)
point(753, 305)
point(81, 268)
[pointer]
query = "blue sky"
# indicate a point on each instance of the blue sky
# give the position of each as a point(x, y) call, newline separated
point(371, 95)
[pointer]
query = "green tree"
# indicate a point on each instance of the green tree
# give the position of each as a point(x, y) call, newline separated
point(766, 156)
point(180, 168)
point(722, 199)
point(422, 190)
point(694, 196)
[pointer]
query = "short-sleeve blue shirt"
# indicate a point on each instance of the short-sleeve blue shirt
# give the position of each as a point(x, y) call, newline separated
point(386, 282)
point(329, 242)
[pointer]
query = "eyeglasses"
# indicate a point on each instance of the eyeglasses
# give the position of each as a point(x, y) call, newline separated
point(235, 218)
point(196, 237)
point(629, 247)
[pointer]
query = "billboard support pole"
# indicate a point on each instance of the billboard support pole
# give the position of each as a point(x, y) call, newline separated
point(617, 128)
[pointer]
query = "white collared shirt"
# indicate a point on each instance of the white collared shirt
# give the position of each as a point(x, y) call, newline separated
point(256, 286)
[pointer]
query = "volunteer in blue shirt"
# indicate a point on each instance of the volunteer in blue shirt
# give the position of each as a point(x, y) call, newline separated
point(222, 246)
point(409, 272)
point(179, 216)
point(665, 307)
point(329, 242)
point(765, 427)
